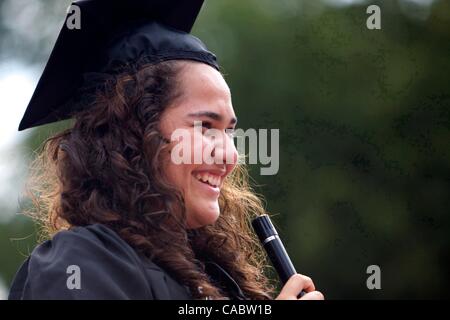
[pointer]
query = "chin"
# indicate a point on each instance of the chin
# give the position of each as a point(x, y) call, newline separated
point(198, 218)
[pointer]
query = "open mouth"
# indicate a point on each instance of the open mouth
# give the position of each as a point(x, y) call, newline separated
point(209, 179)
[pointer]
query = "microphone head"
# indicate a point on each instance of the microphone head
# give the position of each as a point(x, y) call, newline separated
point(263, 227)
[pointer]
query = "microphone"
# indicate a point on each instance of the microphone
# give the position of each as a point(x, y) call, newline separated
point(271, 242)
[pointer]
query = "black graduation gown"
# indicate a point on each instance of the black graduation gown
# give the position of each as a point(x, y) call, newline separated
point(106, 267)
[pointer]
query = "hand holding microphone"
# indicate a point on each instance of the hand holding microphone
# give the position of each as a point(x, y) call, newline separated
point(294, 285)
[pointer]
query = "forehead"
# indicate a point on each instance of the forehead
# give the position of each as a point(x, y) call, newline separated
point(202, 88)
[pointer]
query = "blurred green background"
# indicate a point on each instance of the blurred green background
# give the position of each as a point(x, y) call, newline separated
point(364, 119)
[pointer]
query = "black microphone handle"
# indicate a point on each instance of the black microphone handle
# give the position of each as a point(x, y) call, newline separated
point(275, 249)
point(280, 259)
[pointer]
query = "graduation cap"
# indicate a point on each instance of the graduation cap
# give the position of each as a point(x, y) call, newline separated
point(107, 35)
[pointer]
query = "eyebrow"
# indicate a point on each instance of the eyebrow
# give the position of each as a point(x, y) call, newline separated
point(213, 115)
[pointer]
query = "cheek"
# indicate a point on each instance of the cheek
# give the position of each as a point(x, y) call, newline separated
point(177, 174)
point(191, 147)
point(197, 150)
point(204, 150)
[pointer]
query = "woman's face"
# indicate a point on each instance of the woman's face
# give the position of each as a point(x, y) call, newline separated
point(207, 160)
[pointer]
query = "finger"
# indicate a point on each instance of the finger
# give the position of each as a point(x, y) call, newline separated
point(296, 284)
point(313, 295)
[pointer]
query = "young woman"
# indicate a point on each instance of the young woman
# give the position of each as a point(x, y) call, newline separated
point(128, 222)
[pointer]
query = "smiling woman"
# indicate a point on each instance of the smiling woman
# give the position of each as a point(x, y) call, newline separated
point(126, 221)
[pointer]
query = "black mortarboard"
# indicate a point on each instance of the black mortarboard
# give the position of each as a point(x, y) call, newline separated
point(112, 33)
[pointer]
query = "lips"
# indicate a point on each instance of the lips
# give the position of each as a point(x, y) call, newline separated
point(209, 181)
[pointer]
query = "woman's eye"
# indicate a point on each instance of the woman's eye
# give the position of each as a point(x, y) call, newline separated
point(206, 125)
point(202, 125)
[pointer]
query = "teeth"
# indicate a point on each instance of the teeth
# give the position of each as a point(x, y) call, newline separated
point(208, 178)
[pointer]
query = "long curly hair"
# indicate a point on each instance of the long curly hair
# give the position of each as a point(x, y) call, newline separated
point(106, 168)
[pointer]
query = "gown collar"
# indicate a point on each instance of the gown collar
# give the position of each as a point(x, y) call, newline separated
point(225, 279)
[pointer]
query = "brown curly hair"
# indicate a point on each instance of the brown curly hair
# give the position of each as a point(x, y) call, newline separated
point(106, 169)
